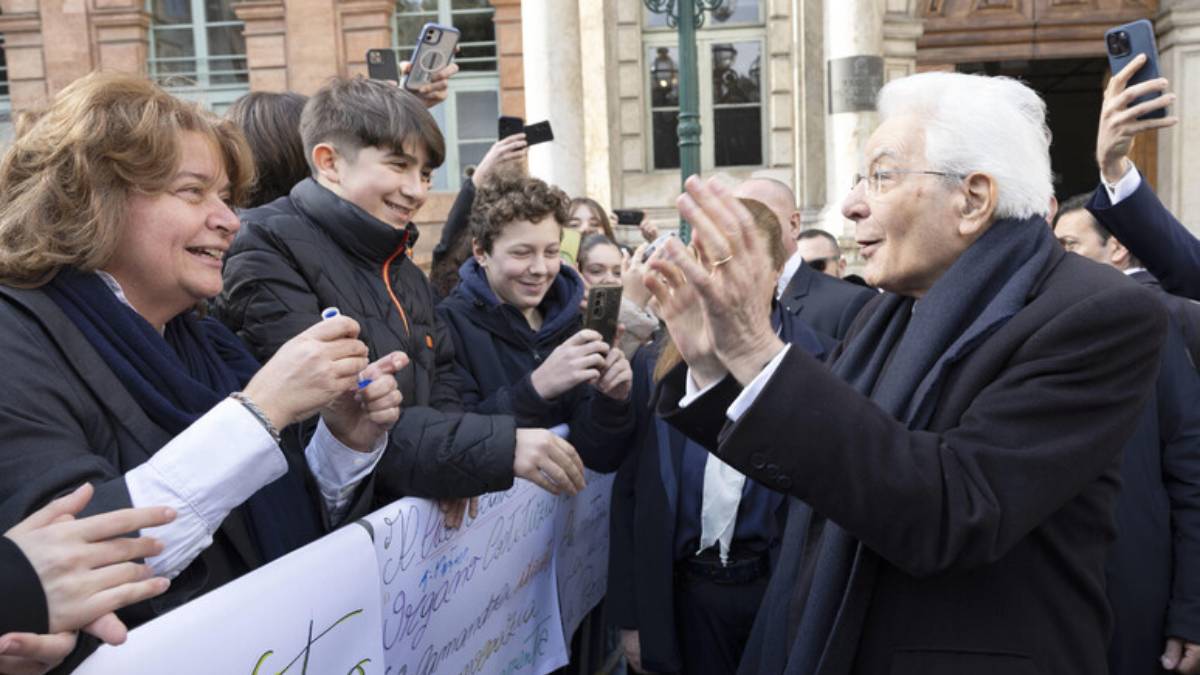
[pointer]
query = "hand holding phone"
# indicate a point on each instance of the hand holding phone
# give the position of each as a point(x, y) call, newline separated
point(603, 311)
point(434, 51)
point(1128, 109)
point(1123, 44)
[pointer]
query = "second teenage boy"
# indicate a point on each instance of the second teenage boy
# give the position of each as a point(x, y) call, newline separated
point(341, 239)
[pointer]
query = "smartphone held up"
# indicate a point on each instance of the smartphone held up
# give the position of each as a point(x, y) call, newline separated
point(1123, 44)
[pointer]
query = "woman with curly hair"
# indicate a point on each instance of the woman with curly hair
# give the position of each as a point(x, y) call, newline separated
point(515, 319)
point(116, 209)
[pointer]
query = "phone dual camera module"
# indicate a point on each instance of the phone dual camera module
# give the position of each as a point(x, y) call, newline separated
point(1118, 43)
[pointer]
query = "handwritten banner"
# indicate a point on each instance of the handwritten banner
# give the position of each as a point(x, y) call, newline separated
point(581, 556)
point(502, 594)
point(316, 610)
point(480, 599)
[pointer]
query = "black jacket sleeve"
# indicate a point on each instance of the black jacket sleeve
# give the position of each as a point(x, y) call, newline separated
point(1179, 428)
point(444, 456)
point(602, 428)
point(24, 608)
point(1051, 422)
point(458, 221)
point(1153, 235)
point(621, 598)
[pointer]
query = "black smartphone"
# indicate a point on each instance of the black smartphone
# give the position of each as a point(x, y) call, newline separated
point(1123, 43)
point(603, 310)
point(538, 133)
point(510, 126)
point(434, 51)
point(382, 64)
point(629, 216)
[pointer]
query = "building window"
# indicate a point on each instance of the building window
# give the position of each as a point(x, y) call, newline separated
point(198, 51)
point(729, 61)
point(6, 126)
point(468, 118)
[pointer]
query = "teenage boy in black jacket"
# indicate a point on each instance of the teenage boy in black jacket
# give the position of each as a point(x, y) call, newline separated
point(341, 239)
point(515, 320)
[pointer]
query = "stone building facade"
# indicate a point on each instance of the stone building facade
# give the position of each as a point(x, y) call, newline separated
point(604, 72)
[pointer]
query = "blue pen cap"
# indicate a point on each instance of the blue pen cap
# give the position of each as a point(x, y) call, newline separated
point(330, 313)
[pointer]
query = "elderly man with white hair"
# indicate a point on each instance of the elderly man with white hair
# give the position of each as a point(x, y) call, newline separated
point(954, 466)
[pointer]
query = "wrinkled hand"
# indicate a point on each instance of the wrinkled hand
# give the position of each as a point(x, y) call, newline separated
point(455, 510)
point(30, 654)
point(85, 565)
point(309, 371)
point(1118, 121)
point(577, 361)
point(359, 417)
point(680, 308)
point(616, 380)
point(1181, 657)
point(631, 645)
point(439, 84)
point(730, 277)
point(548, 461)
point(509, 149)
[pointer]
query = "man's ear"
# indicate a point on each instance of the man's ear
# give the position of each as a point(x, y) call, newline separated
point(325, 159)
point(795, 224)
point(979, 196)
point(1119, 255)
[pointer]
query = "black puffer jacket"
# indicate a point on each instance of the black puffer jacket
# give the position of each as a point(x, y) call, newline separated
point(311, 250)
point(497, 351)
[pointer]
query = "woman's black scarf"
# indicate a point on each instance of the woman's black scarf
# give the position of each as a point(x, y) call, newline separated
point(899, 359)
point(177, 377)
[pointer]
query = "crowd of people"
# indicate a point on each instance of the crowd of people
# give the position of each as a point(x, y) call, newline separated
point(981, 456)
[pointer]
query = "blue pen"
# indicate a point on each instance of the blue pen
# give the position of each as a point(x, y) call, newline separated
point(332, 313)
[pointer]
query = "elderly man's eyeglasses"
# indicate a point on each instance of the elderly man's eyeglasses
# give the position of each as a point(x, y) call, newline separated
point(880, 180)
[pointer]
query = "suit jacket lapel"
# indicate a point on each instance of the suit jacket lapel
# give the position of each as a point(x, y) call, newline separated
point(796, 290)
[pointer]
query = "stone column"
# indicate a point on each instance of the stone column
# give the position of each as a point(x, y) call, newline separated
point(598, 31)
point(808, 113)
point(1178, 28)
point(854, 68)
point(554, 89)
point(365, 24)
point(122, 39)
point(902, 27)
point(266, 43)
point(510, 52)
point(22, 28)
point(313, 38)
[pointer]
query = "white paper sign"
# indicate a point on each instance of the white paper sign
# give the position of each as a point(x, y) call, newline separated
point(581, 556)
point(315, 610)
point(480, 599)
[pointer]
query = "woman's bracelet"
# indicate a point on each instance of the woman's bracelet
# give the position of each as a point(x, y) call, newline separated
point(258, 414)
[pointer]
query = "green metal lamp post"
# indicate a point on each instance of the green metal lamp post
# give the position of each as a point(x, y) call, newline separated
point(687, 16)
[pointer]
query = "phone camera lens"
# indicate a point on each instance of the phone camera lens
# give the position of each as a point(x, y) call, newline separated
point(1118, 43)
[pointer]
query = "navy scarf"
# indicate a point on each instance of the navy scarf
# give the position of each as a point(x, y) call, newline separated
point(178, 376)
point(818, 595)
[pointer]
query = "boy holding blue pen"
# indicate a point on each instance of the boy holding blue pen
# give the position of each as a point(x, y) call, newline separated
point(341, 239)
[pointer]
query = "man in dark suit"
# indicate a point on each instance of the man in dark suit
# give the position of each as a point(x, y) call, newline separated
point(954, 467)
point(828, 304)
point(1079, 232)
point(1154, 568)
point(1124, 203)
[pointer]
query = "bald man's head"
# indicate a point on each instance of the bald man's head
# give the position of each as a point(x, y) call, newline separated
point(779, 198)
